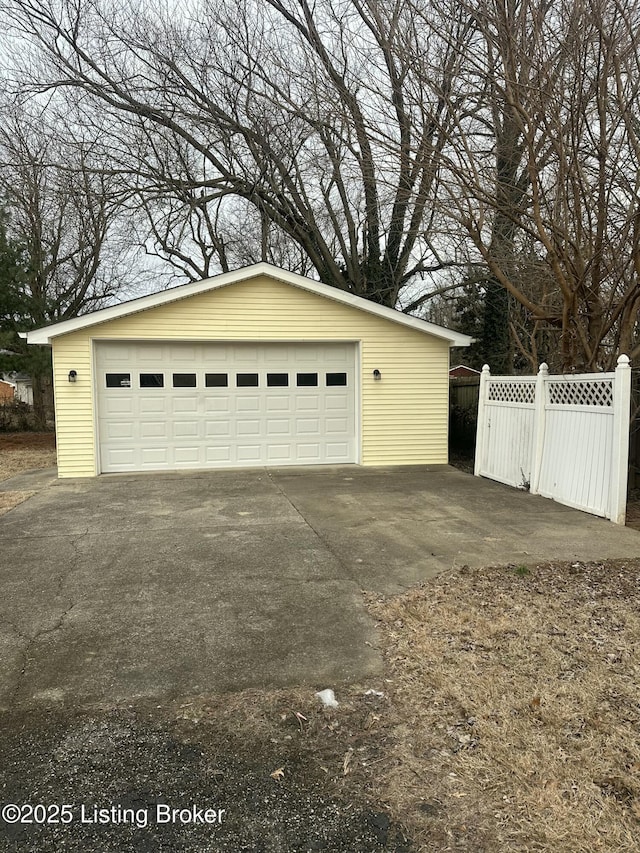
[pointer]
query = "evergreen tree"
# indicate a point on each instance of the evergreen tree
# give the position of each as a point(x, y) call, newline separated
point(16, 315)
point(482, 311)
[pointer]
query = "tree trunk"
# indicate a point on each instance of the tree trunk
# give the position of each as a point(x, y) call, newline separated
point(38, 386)
point(496, 339)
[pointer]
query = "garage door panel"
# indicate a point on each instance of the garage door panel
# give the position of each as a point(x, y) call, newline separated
point(249, 453)
point(187, 455)
point(309, 403)
point(154, 429)
point(120, 429)
point(214, 353)
point(182, 353)
point(116, 406)
point(221, 404)
point(149, 353)
point(245, 354)
point(216, 429)
point(279, 427)
point(179, 405)
point(153, 405)
point(336, 426)
point(252, 428)
point(281, 453)
point(307, 426)
point(336, 355)
point(337, 402)
point(276, 354)
point(208, 420)
point(115, 353)
point(303, 354)
point(125, 458)
point(309, 452)
point(189, 429)
point(248, 404)
point(217, 454)
point(279, 403)
point(154, 456)
point(336, 451)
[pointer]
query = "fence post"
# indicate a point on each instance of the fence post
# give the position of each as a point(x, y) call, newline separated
point(538, 427)
point(620, 456)
point(482, 426)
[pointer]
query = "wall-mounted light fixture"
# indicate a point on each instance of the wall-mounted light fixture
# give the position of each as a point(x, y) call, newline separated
point(73, 375)
point(377, 375)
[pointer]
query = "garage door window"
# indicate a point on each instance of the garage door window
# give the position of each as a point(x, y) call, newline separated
point(152, 380)
point(307, 380)
point(216, 380)
point(246, 380)
point(118, 380)
point(184, 380)
point(336, 379)
point(277, 380)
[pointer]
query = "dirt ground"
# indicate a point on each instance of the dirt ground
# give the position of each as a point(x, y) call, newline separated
point(27, 441)
point(291, 775)
point(507, 719)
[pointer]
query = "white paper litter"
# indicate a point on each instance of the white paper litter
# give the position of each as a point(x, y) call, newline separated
point(328, 698)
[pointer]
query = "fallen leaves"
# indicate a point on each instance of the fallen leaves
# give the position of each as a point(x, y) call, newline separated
point(511, 682)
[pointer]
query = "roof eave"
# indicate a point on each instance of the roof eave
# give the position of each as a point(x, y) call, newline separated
point(45, 335)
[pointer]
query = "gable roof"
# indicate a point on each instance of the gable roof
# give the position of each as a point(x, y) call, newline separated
point(183, 291)
point(464, 367)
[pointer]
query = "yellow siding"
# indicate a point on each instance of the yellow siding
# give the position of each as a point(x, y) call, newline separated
point(403, 417)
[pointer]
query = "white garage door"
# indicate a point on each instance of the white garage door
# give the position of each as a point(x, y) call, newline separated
point(171, 406)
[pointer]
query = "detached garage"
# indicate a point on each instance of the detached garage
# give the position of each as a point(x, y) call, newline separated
point(250, 368)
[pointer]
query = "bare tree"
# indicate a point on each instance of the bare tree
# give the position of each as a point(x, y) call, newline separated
point(62, 214)
point(376, 143)
point(543, 167)
point(312, 115)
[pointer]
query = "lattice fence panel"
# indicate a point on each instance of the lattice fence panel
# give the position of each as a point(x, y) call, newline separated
point(581, 393)
point(512, 392)
point(563, 437)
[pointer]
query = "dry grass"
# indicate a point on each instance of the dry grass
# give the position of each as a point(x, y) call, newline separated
point(25, 451)
point(16, 461)
point(21, 452)
point(10, 499)
point(515, 709)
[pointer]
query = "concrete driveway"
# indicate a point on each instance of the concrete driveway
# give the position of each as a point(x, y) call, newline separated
point(164, 586)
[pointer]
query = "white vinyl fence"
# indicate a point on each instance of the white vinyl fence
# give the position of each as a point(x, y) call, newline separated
point(563, 437)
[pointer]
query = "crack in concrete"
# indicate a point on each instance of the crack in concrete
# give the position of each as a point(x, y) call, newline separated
point(32, 639)
point(348, 568)
point(351, 574)
point(317, 534)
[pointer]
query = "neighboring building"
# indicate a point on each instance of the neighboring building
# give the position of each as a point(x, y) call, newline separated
point(24, 389)
point(461, 370)
point(257, 367)
point(7, 392)
point(21, 382)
